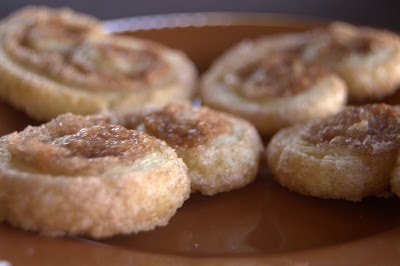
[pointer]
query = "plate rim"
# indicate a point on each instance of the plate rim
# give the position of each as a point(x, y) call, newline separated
point(204, 19)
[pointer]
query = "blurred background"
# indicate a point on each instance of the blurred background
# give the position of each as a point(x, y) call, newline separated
point(382, 13)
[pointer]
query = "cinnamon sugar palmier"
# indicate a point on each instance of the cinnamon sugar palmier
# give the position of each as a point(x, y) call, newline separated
point(82, 176)
point(54, 61)
point(350, 155)
point(221, 151)
point(268, 82)
point(368, 59)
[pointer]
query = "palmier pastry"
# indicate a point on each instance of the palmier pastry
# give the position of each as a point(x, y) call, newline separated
point(367, 59)
point(222, 152)
point(81, 176)
point(268, 82)
point(350, 155)
point(54, 61)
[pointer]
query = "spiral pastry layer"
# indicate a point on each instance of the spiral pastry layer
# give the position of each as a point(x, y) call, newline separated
point(367, 59)
point(82, 176)
point(350, 155)
point(268, 82)
point(222, 152)
point(54, 61)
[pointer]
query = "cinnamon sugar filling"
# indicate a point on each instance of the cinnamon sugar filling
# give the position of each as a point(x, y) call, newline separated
point(92, 148)
point(282, 74)
point(83, 56)
point(373, 128)
point(180, 126)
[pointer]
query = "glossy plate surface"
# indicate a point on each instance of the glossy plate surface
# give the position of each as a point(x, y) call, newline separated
point(260, 224)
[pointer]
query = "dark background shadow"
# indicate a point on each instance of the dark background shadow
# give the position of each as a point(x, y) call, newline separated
point(383, 13)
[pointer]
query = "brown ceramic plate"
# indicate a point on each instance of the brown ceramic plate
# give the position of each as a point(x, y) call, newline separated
point(260, 224)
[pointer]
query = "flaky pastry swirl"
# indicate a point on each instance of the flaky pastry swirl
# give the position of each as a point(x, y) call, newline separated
point(83, 176)
point(268, 82)
point(368, 59)
point(57, 60)
point(350, 155)
point(222, 152)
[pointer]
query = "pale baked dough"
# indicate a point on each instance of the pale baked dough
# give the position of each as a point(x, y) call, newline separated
point(222, 152)
point(268, 82)
point(368, 59)
point(54, 61)
point(81, 176)
point(350, 155)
